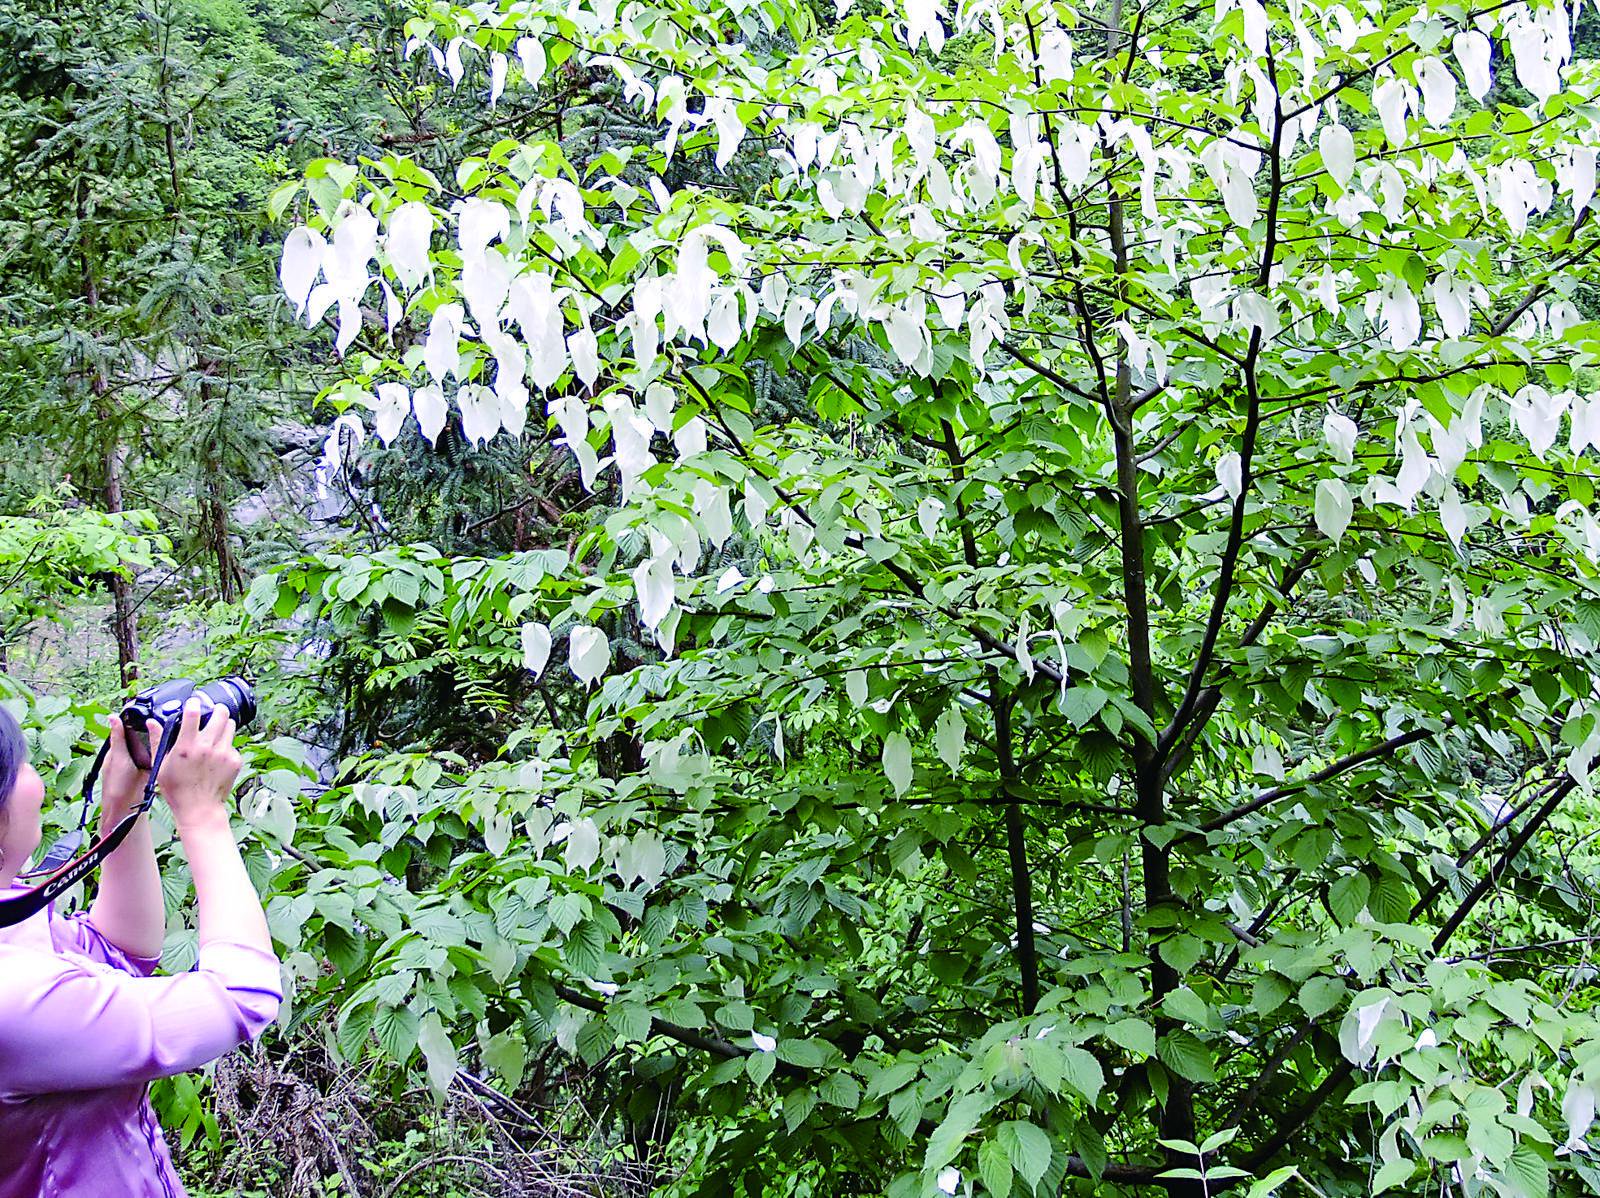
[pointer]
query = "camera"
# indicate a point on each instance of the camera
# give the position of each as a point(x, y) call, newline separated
point(164, 704)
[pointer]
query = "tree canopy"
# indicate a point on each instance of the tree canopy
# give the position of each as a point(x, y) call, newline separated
point(1108, 729)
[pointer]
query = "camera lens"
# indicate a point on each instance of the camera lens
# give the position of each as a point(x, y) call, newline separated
point(244, 709)
point(236, 695)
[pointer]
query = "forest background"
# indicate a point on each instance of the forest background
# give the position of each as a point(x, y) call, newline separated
point(1259, 861)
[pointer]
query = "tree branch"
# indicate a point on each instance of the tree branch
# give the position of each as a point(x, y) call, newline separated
point(688, 1036)
point(1247, 448)
point(1343, 765)
point(1211, 697)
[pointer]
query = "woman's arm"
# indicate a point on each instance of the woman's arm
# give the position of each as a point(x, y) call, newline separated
point(65, 1027)
point(196, 779)
point(129, 909)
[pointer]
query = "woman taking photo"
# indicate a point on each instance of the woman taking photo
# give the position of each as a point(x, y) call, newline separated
point(83, 1024)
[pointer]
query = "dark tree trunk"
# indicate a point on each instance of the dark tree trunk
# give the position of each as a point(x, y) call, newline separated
point(124, 616)
point(214, 505)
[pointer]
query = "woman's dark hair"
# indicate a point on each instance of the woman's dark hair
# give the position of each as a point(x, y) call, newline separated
point(13, 756)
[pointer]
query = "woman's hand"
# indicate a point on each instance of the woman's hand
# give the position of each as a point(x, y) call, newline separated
point(200, 768)
point(121, 782)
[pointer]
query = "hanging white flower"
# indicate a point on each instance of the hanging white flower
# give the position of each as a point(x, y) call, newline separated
point(300, 265)
point(407, 242)
point(535, 647)
point(1438, 87)
point(1232, 170)
point(588, 653)
point(1230, 475)
point(480, 221)
point(497, 76)
point(1538, 416)
point(922, 23)
point(1576, 175)
point(1333, 508)
point(1585, 423)
point(530, 53)
point(394, 405)
point(1472, 52)
point(429, 405)
point(441, 352)
point(1338, 149)
point(1390, 99)
point(480, 412)
point(1452, 299)
point(1398, 315)
point(1339, 431)
point(653, 587)
point(584, 351)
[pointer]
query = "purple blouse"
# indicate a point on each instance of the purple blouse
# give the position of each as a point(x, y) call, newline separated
point(84, 1028)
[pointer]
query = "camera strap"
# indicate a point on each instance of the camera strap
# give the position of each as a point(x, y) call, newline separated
point(61, 870)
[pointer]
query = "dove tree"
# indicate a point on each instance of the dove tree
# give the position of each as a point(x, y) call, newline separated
point(1168, 641)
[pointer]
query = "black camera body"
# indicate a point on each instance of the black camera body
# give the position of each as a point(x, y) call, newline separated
point(164, 703)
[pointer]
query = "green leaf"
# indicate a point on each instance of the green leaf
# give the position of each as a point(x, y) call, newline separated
point(759, 1065)
point(1321, 995)
point(1182, 951)
point(1347, 897)
point(1184, 1005)
point(959, 1122)
point(1185, 1055)
point(281, 197)
point(891, 1078)
point(1392, 1174)
point(1090, 1144)
point(994, 1166)
point(1309, 850)
point(1095, 645)
point(1046, 1062)
point(584, 947)
point(1082, 704)
point(355, 1026)
point(1269, 993)
point(397, 1032)
point(950, 736)
point(1133, 1034)
point(1273, 1182)
point(897, 762)
point(905, 1109)
point(1027, 1147)
point(736, 1016)
point(595, 1040)
point(507, 1055)
point(807, 1054)
point(841, 1090)
point(1528, 1172)
point(631, 1021)
point(1083, 1073)
point(797, 1107)
point(566, 910)
point(438, 1052)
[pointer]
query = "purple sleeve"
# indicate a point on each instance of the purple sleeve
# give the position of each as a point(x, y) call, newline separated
point(65, 1026)
point(77, 933)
